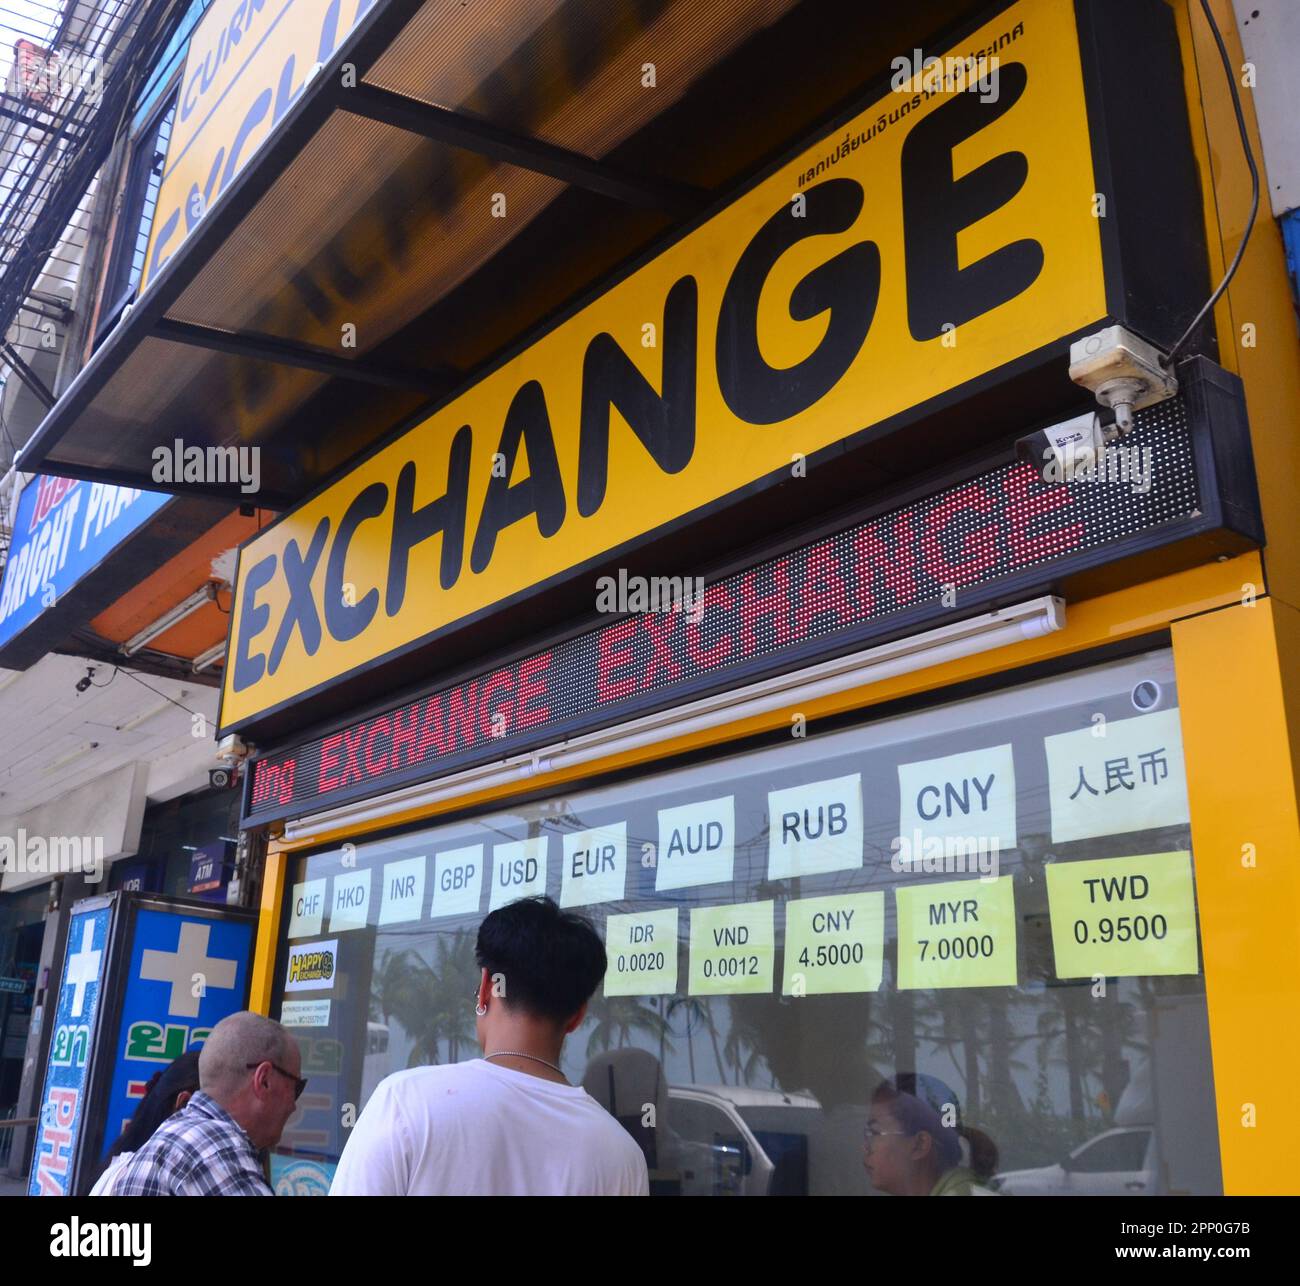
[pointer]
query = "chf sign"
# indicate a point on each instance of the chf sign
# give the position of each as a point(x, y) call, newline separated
point(307, 908)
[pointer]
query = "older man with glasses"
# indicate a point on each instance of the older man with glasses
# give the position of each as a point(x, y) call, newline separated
point(249, 1082)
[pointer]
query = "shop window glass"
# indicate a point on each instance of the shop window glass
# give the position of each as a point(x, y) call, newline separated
point(779, 963)
point(135, 219)
point(173, 832)
point(1119, 1152)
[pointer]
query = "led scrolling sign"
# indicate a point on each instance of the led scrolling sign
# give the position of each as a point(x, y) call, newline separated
point(973, 543)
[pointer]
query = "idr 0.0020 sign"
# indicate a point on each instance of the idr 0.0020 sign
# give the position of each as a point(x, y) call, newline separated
point(934, 238)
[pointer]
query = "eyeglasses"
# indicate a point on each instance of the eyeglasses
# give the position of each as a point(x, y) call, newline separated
point(299, 1082)
point(872, 1133)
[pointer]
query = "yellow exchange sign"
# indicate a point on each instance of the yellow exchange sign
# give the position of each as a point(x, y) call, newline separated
point(944, 233)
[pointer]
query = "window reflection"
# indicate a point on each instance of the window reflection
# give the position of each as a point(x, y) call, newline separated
point(1075, 1085)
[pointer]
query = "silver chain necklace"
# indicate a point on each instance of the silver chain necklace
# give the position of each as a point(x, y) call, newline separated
point(514, 1053)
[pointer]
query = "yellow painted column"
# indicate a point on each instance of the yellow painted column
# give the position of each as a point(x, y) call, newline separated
point(268, 926)
point(1239, 738)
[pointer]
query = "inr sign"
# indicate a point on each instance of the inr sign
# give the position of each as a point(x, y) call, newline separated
point(458, 881)
point(403, 897)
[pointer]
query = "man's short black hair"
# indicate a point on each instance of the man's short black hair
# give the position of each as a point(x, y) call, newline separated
point(551, 960)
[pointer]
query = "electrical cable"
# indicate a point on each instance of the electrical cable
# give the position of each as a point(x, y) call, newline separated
point(1254, 189)
point(155, 691)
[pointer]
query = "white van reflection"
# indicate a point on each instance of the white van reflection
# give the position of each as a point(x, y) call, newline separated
point(706, 1140)
point(1119, 1162)
point(725, 1140)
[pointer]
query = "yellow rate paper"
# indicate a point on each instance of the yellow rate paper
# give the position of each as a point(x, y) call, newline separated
point(733, 949)
point(961, 933)
point(642, 951)
point(1123, 916)
point(834, 944)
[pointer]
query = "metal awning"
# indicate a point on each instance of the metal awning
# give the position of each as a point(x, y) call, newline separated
point(369, 207)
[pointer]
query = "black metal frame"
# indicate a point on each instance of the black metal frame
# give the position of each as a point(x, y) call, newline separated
point(87, 126)
point(118, 289)
point(268, 348)
point(364, 45)
point(476, 135)
point(324, 95)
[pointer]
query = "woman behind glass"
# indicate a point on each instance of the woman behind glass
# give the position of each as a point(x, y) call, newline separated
point(913, 1143)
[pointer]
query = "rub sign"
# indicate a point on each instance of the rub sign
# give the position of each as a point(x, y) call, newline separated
point(933, 239)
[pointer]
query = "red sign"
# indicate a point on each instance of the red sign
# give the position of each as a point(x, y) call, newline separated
point(923, 563)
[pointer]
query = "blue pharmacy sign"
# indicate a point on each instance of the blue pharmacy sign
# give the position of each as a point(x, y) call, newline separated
point(185, 970)
point(62, 1113)
point(301, 1176)
point(63, 530)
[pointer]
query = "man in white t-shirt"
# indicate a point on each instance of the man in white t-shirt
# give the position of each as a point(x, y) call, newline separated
point(508, 1124)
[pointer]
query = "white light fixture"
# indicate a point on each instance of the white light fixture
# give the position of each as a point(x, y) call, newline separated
point(83, 749)
point(210, 657)
point(144, 717)
point(984, 633)
point(173, 616)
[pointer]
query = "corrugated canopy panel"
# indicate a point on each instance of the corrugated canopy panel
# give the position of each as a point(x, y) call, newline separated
point(199, 396)
point(341, 220)
point(580, 75)
point(368, 226)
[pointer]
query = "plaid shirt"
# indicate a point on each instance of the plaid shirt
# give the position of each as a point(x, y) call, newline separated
point(199, 1152)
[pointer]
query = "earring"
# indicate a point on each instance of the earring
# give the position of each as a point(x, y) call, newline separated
point(480, 1010)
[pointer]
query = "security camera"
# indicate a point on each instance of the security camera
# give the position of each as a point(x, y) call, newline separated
point(1124, 372)
point(232, 750)
point(1059, 450)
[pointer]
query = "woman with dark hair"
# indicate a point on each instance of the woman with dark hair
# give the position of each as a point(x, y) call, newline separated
point(913, 1144)
point(168, 1091)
